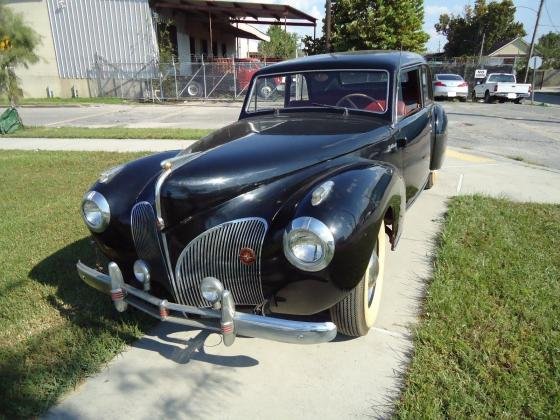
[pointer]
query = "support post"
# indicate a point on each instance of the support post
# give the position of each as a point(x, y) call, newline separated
point(203, 73)
point(234, 78)
point(532, 47)
point(175, 77)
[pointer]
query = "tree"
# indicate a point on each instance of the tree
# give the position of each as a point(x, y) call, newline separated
point(495, 22)
point(380, 24)
point(282, 44)
point(371, 25)
point(18, 43)
point(549, 47)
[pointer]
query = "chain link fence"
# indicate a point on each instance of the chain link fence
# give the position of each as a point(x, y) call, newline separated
point(215, 79)
point(218, 79)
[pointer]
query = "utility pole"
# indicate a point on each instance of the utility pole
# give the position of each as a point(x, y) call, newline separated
point(328, 24)
point(481, 48)
point(532, 48)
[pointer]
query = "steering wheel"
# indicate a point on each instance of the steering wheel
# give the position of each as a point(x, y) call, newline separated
point(357, 95)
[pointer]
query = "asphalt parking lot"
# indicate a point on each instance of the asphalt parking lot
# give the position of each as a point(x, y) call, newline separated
point(521, 132)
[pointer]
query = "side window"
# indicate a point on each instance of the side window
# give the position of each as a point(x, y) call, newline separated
point(409, 93)
point(426, 85)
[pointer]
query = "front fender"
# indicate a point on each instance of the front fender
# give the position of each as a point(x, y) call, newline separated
point(362, 197)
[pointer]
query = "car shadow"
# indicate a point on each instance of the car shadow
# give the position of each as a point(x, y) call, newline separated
point(183, 350)
point(87, 308)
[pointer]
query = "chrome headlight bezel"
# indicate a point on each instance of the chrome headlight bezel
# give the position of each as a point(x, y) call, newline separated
point(99, 201)
point(317, 233)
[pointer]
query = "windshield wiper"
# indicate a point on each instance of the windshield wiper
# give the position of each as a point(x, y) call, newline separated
point(331, 107)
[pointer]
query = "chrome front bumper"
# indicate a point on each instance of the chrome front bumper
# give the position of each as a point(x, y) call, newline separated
point(225, 320)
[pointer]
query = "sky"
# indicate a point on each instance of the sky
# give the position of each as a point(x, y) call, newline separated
point(550, 17)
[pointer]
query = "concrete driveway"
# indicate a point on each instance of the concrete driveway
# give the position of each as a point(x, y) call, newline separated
point(188, 374)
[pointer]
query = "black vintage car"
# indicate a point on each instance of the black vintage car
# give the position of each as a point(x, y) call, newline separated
point(285, 212)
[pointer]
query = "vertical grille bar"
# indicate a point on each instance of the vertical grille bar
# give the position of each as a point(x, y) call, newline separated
point(216, 253)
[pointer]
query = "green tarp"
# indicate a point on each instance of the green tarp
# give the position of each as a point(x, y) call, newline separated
point(10, 121)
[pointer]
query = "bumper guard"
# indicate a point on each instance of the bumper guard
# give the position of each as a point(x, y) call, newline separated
point(225, 320)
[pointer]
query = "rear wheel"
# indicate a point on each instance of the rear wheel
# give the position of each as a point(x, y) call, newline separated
point(356, 313)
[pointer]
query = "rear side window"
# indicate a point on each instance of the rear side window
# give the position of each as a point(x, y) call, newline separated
point(502, 78)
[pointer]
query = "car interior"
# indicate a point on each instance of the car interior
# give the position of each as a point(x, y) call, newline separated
point(365, 90)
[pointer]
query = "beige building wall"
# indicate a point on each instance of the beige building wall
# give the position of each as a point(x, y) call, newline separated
point(44, 74)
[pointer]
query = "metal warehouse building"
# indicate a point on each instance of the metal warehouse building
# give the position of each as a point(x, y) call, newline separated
point(90, 46)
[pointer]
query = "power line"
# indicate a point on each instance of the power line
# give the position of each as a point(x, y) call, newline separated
point(550, 19)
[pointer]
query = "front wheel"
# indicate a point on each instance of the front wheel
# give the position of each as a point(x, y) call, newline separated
point(518, 100)
point(487, 97)
point(356, 313)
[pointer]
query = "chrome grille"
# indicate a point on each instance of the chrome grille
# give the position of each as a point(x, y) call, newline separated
point(216, 253)
point(144, 231)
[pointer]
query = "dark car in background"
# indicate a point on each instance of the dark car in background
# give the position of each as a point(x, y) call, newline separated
point(283, 214)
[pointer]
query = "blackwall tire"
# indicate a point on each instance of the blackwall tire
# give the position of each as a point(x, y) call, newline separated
point(487, 97)
point(194, 89)
point(357, 312)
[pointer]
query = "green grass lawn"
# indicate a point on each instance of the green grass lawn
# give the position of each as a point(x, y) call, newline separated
point(488, 345)
point(111, 133)
point(54, 330)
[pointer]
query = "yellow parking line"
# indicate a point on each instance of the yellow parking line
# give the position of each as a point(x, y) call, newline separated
point(467, 157)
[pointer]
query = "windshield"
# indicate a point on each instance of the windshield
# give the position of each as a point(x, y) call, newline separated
point(363, 90)
point(449, 77)
point(502, 78)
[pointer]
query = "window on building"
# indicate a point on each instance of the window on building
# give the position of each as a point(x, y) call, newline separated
point(224, 50)
point(214, 49)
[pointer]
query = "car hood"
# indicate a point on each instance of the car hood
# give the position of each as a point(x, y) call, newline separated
point(251, 152)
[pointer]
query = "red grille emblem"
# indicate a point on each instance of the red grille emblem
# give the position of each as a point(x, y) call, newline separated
point(247, 256)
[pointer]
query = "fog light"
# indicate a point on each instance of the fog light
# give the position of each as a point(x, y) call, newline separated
point(211, 289)
point(142, 273)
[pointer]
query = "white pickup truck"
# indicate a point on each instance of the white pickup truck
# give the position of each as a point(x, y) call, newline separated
point(501, 86)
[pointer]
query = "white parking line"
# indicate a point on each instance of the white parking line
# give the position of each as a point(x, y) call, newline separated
point(80, 118)
point(460, 183)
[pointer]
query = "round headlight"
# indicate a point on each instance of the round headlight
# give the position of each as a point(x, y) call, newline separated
point(308, 244)
point(141, 271)
point(95, 211)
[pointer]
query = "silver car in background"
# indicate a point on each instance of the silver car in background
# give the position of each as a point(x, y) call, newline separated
point(450, 86)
